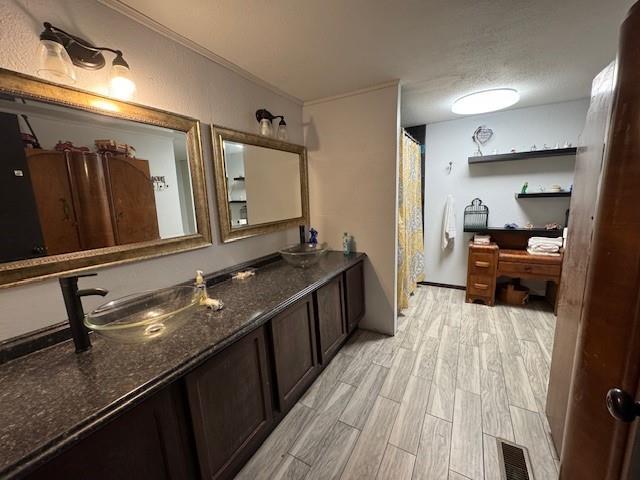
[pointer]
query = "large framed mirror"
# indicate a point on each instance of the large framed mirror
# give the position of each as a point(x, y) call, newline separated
point(89, 181)
point(261, 184)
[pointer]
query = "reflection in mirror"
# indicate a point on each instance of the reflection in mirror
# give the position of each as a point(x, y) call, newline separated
point(79, 181)
point(263, 184)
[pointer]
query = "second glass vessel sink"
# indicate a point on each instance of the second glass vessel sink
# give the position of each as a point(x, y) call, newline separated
point(304, 255)
point(143, 316)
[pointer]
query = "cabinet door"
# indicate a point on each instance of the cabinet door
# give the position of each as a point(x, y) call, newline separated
point(133, 203)
point(150, 441)
point(331, 319)
point(354, 283)
point(91, 202)
point(230, 400)
point(52, 191)
point(294, 350)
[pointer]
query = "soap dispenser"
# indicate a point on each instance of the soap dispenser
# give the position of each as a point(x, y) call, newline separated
point(346, 243)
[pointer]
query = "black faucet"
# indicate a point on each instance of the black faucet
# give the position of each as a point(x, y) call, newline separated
point(73, 303)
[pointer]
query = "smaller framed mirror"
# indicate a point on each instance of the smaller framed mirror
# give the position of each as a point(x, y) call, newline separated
point(261, 184)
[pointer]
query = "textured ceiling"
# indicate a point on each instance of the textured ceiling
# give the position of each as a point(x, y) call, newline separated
point(440, 49)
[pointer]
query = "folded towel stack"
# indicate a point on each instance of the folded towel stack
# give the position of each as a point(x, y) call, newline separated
point(481, 239)
point(545, 246)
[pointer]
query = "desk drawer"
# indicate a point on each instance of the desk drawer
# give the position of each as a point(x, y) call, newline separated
point(482, 263)
point(482, 285)
point(528, 269)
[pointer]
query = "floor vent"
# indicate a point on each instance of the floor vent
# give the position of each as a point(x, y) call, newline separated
point(514, 461)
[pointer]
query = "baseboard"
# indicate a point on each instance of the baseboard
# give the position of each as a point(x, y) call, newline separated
point(443, 285)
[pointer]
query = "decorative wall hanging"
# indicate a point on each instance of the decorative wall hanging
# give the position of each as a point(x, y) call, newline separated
point(480, 137)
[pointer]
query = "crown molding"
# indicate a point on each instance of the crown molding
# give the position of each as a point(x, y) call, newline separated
point(148, 22)
point(360, 91)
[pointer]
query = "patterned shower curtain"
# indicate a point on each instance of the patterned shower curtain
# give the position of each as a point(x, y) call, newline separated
point(410, 239)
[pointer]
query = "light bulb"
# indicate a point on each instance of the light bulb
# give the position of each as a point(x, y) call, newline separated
point(121, 86)
point(55, 63)
point(266, 129)
point(282, 131)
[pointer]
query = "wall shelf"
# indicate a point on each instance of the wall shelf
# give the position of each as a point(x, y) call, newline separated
point(543, 195)
point(509, 157)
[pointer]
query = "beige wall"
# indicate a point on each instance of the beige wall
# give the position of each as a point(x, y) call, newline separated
point(272, 181)
point(168, 76)
point(352, 144)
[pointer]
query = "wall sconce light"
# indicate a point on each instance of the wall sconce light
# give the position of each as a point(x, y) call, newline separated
point(265, 120)
point(60, 51)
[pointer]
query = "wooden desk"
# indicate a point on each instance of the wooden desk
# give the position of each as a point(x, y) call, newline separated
point(488, 262)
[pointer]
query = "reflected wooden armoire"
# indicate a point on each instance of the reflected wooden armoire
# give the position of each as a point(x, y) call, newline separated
point(90, 200)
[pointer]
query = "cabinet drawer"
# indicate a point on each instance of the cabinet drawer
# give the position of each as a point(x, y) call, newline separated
point(482, 263)
point(482, 285)
point(529, 269)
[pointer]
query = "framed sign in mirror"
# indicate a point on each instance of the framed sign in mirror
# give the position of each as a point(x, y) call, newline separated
point(88, 181)
point(261, 184)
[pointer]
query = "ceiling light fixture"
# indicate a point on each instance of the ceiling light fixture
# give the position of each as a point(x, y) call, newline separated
point(60, 51)
point(485, 101)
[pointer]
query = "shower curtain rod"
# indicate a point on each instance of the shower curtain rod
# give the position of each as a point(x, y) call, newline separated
point(410, 137)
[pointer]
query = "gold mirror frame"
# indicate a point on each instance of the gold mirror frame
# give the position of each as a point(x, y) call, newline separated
point(228, 234)
point(23, 271)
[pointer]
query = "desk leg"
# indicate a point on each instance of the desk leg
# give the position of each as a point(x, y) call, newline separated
point(552, 294)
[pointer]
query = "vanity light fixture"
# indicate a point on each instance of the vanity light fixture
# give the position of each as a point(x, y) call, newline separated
point(60, 51)
point(486, 101)
point(265, 120)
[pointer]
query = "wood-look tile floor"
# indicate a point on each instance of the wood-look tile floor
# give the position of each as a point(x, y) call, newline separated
point(425, 404)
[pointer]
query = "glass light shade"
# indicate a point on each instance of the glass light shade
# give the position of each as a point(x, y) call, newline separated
point(266, 129)
point(121, 86)
point(55, 63)
point(282, 132)
point(486, 101)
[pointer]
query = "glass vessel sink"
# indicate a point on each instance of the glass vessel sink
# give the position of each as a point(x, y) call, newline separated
point(304, 255)
point(143, 316)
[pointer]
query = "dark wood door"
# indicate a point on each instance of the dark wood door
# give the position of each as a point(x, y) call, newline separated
point(150, 441)
point(133, 202)
point(332, 324)
point(230, 400)
point(52, 190)
point(294, 351)
point(576, 258)
point(354, 294)
point(18, 211)
point(595, 445)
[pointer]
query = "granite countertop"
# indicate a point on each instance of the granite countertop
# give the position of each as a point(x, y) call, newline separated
point(52, 398)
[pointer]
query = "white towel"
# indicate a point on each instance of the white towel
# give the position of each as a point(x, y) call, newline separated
point(545, 241)
point(449, 223)
point(536, 252)
point(544, 247)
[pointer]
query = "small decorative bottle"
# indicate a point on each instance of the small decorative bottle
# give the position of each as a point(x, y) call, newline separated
point(313, 236)
point(346, 243)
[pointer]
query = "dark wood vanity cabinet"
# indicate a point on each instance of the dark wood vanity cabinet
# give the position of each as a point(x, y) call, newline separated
point(330, 311)
point(354, 295)
point(294, 351)
point(209, 423)
point(150, 441)
point(230, 402)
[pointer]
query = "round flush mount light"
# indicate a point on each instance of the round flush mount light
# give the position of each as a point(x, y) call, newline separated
point(485, 101)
